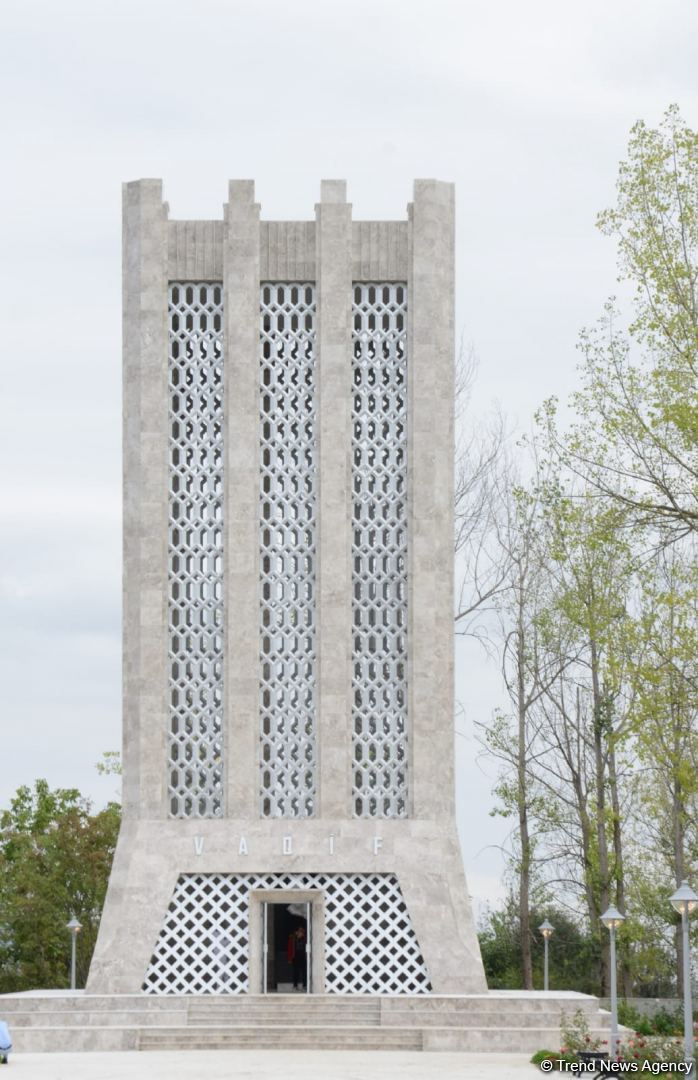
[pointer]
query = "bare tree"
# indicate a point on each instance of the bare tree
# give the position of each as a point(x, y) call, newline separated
point(482, 483)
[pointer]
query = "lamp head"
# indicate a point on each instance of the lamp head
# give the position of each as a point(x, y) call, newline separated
point(546, 928)
point(612, 918)
point(74, 926)
point(684, 899)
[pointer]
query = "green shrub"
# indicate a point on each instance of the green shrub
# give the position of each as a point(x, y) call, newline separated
point(663, 1022)
point(544, 1055)
point(632, 1018)
point(667, 1023)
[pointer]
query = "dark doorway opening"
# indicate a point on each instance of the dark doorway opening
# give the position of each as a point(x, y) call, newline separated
point(287, 947)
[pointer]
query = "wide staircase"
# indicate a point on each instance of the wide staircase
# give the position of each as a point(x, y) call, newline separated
point(499, 1021)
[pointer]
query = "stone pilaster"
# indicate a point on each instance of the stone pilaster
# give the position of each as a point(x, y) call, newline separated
point(430, 367)
point(145, 707)
point(241, 505)
point(334, 611)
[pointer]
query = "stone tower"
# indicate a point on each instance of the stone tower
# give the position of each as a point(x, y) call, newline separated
point(288, 615)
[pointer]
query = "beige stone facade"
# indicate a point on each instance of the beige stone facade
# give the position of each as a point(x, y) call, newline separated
point(420, 849)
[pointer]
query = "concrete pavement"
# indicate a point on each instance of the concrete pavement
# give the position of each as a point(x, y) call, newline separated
point(270, 1065)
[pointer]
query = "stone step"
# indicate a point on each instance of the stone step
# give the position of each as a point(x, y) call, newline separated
point(386, 1008)
point(98, 1018)
point(495, 1040)
point(321, 1037)
point(64, 1039)
point(274, 1018)
point(301, 1010)
point(266, 1020)
point(68, 1003)
point(385, 1011)
point(492, 1023)
point(479, 1023)
point(476, 1039)
point(350, 1020)
point(492, 1003)
point(79, 1020)
point(381, 1014)
point(450, 1018)
point(348, 1009)
point(286, 1003)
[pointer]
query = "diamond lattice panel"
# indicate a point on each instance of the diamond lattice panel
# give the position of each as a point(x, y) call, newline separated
point(287, 540)
point(370, 946)
point(380, 551)
point(195, 549)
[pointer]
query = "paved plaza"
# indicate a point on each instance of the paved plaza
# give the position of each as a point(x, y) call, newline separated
point(271, 1065)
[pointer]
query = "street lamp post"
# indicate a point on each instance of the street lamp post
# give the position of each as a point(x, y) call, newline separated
point(612, 919)
point(75, 927)
point(547, 929)
point(685, 901)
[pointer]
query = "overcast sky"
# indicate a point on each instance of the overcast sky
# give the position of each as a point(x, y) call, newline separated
point(525, 105)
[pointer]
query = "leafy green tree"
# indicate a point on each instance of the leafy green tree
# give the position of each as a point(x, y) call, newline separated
point(665, 716)
point(636, 435)
point(598, 764)
point(527, 672)
point(110, 763)
point(511, 743)
point(55, 858)
point(574, 952)
point(582, 633)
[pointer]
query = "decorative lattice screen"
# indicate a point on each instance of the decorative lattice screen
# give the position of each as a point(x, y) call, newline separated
point(195, 548)
point(287, 540)
point(370, 946)
point(380, 550)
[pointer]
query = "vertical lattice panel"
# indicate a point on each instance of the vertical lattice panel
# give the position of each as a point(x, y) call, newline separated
point(195, 549)
point(370, 945)
point(287, 540)
point(380, 550)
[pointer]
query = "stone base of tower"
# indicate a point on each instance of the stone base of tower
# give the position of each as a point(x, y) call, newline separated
point(352, 871)
point(495, 1022)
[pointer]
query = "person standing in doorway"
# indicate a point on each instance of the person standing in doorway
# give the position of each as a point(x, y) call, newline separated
point(297, 955)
